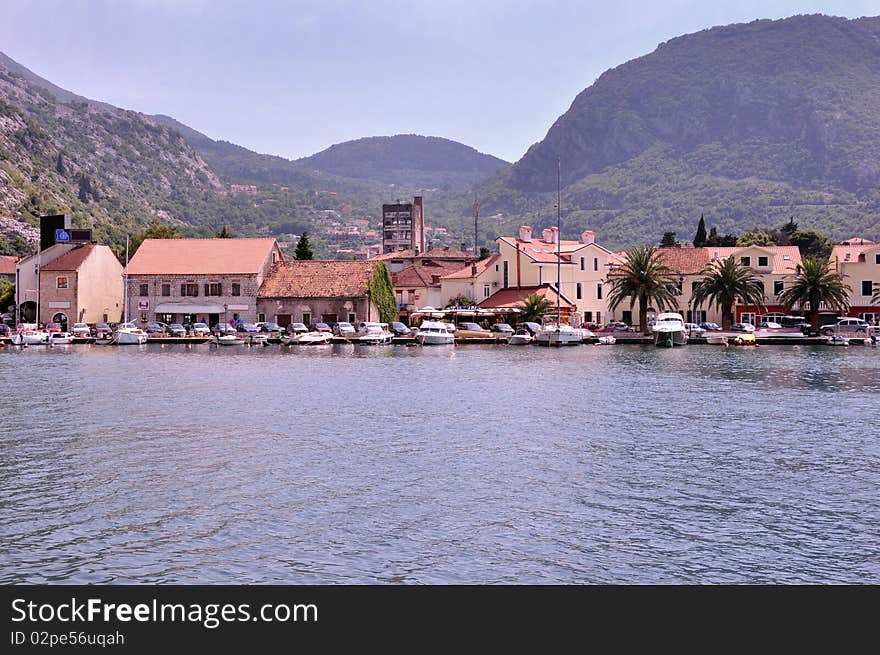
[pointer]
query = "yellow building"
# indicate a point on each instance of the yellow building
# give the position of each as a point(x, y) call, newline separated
point(858, 260)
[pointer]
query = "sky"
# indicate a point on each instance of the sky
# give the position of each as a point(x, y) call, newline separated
point(292, 77)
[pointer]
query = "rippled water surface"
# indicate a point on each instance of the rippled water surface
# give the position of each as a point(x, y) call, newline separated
point(472, 464)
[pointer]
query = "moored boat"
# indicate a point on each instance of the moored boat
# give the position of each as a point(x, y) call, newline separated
point(607, 340)
point(314, 339)
point(669, 330)
point(435, 333)
point(838, 340)
point(521, 337)
point(230, 340)
point(558, 334)
point(60, 338)
point(129, 334)
point(375, 334)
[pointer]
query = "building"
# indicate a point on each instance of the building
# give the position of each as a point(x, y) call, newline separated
point(858, 260)
point(70, 283)
point(199, 280)
point(419, 286)
point(318, 291)
point(403, 226)
point(7, 269)
point(528, 265)
point(401, 259)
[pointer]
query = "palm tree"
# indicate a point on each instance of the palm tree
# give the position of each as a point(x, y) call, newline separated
point(875, 299)
point(534, 307)
point(725, 282)
point(643, 277)
point(813, 284)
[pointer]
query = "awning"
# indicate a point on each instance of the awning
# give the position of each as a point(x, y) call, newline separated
point(188, 308)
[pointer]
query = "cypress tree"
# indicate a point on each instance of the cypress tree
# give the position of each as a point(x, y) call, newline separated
point(303, 248)
point(700, 238)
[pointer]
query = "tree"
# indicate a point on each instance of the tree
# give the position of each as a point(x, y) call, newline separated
point(755, 238)
point(534, 308)
point(790, 228)
point(224, 233)
point(714, 239)
point(7, 294)
point(643, 278)
point(59, 164)
point(156, 229)
point(668, 240)
point(725, 282)
point(303, 248)
point(381, 292)
point(811, 244)
point(484, 253)
point(875, 299)
point(700, 237)
point(815, 283)
point(460, 300)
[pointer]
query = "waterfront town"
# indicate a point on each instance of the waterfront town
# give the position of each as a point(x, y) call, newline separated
point(246, 282)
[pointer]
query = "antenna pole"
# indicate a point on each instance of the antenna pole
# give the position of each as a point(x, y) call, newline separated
point(558, 254)
point(476, 217)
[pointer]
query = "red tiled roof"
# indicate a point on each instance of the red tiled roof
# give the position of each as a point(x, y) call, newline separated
point(513, 297)
point(467, 272)
point(7, 264)
point(433, 253)
point(422, 276)
point(318, 279)
point(693, 261)
point(200, 256)
point(853, 248)
point(72, 259)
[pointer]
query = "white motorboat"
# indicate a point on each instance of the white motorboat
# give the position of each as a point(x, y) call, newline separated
point(553, 334)
point(60, 338)
point(838, 340)
point(716, 339)
point(520, 338)
point(375, 334)
point(669, 330)
point(128, 334)
point(230, 340)
point(30, 338)
point(435, 333)
point(314, 339)
point(607, 340)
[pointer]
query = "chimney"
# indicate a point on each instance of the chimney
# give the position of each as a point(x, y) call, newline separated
point(525, 233)
point(588, 236)
point(547, 235)
point(554, 231)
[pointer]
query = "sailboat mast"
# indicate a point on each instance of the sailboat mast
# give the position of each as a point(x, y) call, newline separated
point(558, 254)
point(125, 284)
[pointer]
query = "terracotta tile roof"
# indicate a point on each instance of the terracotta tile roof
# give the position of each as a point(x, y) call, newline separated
point(7, 264)
point(513, 297)
point(433, 253)
point(423, 276)
point(852, 248)
point(467, 272)
point(545, 252)
point(72, 259)
point(200, 256)
point(693, 261)
point(318, 279)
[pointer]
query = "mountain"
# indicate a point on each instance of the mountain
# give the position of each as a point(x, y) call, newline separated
point(748, 124)
point(409, 160)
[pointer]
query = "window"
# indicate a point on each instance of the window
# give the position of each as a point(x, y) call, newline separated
point(627, 316)
point(144, 290)
point(578, 291)
point(763, 262)
point(867, 288)
point(582, 263)
point(599, 318)
point(274, 257)
point(747, 317)
point(236, 289)
point(595, 263)
point(166, 291)
point(598, 294)
point(588, 317)
point(745, 261)
point(352, 318)
point(496, 268)
point(778, 286)
point(213, 289)
point(506, 273)
point(487, 291)
point(307, 317)
point(165, 318)
point(877, 258)
point(189, 290)
point(61, 282)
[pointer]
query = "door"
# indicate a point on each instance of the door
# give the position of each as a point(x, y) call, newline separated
point(282, 319)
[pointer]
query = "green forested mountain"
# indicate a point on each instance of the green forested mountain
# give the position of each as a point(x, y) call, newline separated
point(408, 160)
point(748, 124)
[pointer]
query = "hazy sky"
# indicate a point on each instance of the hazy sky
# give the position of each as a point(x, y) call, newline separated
point(293, 77)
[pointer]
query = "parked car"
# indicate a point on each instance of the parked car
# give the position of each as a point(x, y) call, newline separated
point(155, 328)
point(742, 327)
point(53, 327)
point(616, 326)
point(100, 330)
point(5, 330)
point(201, 329)
point(319, 327)
point(770, 325)
point(534, 328)
point(297, 328)
point(472, 327)
point(268, 326)
point(224, 328)
point(694, 330)
point(249, 328)
point(344, 329)
point(847, 325)
point(710, 327)
point(503, 328)
point(398, 329)
point(176, 330)
point(81, 330)
point(332, 325)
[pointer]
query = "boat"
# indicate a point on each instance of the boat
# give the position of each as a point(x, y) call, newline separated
point(435, 333)
point(375, 334)
point(230, 340)
point(607, 340)
point(838, 340)
point(669, 330)
point(314, 339)
point(716, 339)
point(521, 337)
point(60, 338)
point(258, 340)
point(558, 333)
point(30, 338)
point(745, 339)
point(128, 334)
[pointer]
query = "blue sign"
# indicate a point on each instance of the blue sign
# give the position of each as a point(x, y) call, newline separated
point(62, 236)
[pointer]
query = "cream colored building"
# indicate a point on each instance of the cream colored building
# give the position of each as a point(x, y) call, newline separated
point(858, 260)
